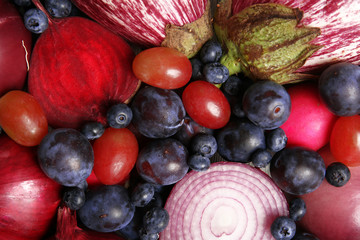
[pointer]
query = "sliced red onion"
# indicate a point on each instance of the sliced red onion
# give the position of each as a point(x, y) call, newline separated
point(228, 201)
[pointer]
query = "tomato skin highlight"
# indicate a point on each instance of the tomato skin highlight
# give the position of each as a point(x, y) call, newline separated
point(22, 118)
point(162, 67)
point(115, 154)
point(206, 104)
point(345, 140)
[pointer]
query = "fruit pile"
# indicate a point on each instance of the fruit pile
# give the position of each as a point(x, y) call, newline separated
point(103, 138)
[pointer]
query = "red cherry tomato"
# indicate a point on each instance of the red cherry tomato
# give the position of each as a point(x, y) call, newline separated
point(115, 154)
point(22, 118)
point(345, 140)
point(206, 104)
point(162, 67)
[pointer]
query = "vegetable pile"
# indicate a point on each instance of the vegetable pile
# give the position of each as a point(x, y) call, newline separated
point(179, 119)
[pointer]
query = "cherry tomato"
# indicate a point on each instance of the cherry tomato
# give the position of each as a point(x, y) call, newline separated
point(115, 154)
point(345, 140)
point(206, 104)
point(22, 118)
point(162, 67)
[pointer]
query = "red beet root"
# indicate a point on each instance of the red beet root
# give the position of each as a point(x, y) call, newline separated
point(15, 48)
point(79, 69)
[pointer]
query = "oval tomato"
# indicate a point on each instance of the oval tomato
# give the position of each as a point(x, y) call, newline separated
point(22, 118)
point(345, 140)
point(206, 104)
point(162, 67)
point(115, 154)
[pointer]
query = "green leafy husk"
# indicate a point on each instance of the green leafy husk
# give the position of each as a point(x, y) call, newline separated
point(265, 41)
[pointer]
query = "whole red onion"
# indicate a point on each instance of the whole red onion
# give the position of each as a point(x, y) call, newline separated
point(148, 22)
point(28, 198)
point(15, 48)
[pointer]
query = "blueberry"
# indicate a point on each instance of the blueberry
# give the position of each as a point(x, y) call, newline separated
point(204, 144)
point(35, 20)
point(92, 130)
point(215, 73)
point(239, 139)
point(337, 174)
point(155, 220)
point(261, 158)
point(210, 52)
point(283, 228)
point(58, 8)
point(297, 209)
point(143, 235)
point(142, 194)
point(74, 198)
point(297, 170)
point(236, 85)
point(339, 87)
point(119, 115)
point(237, 110)
point(304, 236)
point(197, 67)
point(267, 104)
point(199, 162)
point(23, 3)
point(276, 139)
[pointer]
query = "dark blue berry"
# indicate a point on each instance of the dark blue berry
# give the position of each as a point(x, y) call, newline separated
point(236, 85)
point(142, 194)
point(92, 130)
point(304, 236)
point(197, 67)
point(261, 158)
point(119, 115)
point(143, 235)
point(35, 20)
point(237, 110)
point(267, 104)
point(155, 220)
point(210, 52)
point(74, 198)
point(23, 3)
point(339, 87)
point(215, 73)
point(58, 8)
point(297, 209)
point(337, 174)
point(297, 170)
point(199, 162)
point(204, 144)
point(283, 228)
point(276, 139)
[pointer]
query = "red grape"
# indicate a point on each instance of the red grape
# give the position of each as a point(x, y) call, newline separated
point(162, 67)
point(22, 118)
point(115, 154)
point(345, 140)
point(206, 104)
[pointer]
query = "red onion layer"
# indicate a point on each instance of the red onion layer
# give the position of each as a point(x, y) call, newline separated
point(228, 201)
point(28, 198)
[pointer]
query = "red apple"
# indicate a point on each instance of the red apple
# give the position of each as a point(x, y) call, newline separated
point(333, 213)
point(15, 48)
point(310, 122)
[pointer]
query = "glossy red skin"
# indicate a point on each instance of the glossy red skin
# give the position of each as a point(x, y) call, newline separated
point(78, 70)
point(333, 213)
point(162, 67)
point(206, 104)
point(22, 118)
point(344, 140)
point(23, 215)
point(310, 122)
point(115, 154)
point(15, 48)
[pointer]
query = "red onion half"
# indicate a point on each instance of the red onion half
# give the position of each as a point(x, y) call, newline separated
point(28, 198)
point(228, 201)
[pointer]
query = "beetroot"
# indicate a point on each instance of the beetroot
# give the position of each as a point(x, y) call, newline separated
point(15, 48)
point(78, 70)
